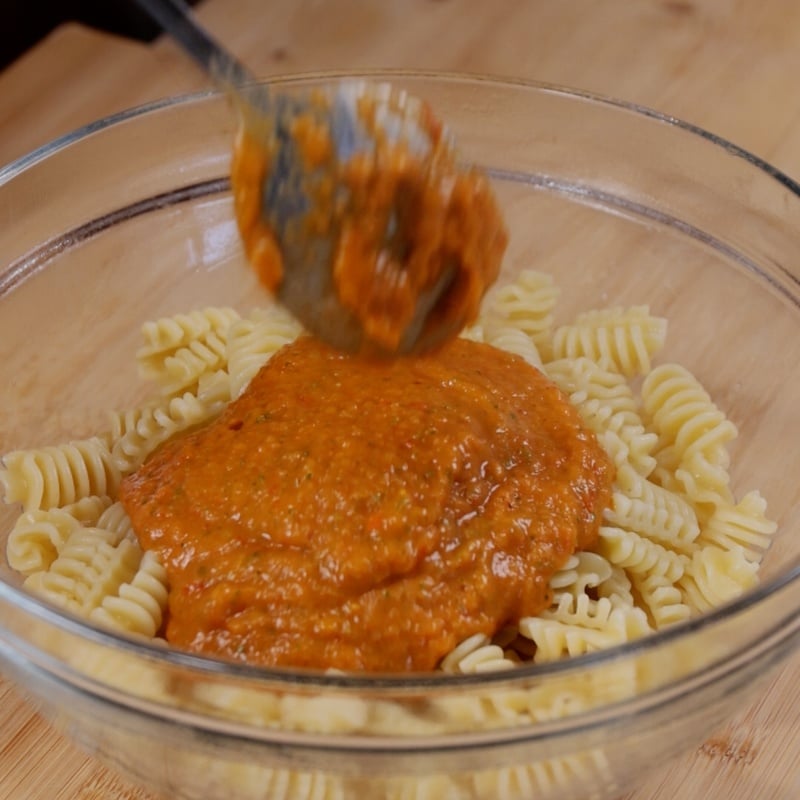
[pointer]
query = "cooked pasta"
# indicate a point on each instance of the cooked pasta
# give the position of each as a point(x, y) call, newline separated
point(743, 526)
point(526, 305)
point(50, 477)
point(476, 654)
point(598, 382)
point(164, 337)
point(139, 605)
point(583, 571)
point(475, 333)
point(714, 576)
point(39, 536)
point(596, 625)
point(617, 588)
point(607, 404)
point(704, 484)
point(621, 339)
point(285, 784)
point(639, 555)
point(252, 340)
point(92, 565)
point(647, 508)
point(543, 779)
point(515, 341)
point(684, 417)
point(661, 598)
point(137, 432)
point(115, 519)
point(214, 388)
point(674, 542)
point(182, 371)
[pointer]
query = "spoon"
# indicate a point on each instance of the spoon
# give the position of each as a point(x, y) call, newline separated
point(344, 198)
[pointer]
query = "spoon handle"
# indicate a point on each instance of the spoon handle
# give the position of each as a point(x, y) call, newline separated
point(176, 18)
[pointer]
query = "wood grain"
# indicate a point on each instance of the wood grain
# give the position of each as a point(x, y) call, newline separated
point(730, 66)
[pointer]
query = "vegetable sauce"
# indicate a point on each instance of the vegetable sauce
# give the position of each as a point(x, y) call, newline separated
point(369, 514)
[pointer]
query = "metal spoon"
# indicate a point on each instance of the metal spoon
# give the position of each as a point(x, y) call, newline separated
point(307, 288)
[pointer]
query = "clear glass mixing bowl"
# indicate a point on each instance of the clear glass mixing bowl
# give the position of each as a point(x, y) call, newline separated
point(130, 219)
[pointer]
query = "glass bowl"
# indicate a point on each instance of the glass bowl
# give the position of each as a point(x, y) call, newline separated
point(130, 219)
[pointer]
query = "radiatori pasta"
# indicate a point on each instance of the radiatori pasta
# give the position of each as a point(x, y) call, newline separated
point(675, 541)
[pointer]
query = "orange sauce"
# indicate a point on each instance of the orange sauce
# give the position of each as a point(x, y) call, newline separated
point(369, 514)
point(448, 228)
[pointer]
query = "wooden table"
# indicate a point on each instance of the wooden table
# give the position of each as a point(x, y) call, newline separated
point(730, 66)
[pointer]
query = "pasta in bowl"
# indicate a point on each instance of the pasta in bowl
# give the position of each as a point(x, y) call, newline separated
point(617, 287)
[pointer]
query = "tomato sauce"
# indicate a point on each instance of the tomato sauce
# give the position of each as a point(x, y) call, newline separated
point(369, 514)
point(448, 230)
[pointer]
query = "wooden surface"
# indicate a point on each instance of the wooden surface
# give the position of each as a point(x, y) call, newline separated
point(730, 66)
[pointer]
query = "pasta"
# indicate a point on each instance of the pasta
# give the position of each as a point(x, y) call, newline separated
point(51, 477)
point(38, 536)
point(743, 526)
point(582, 625)
point(136, 433)
point(661, 598)
point(617, 588)
point(607, 403)
point(639, 555)
point(116, 520)
point(137, 606)
point(526, 305)
point(684, 417)
point(182, 371)
point(91, 565)
point(583, 571)
point(164, 338)
point(674, 542)
point(476, 654)
point(650, 509)
point(714, 576)
point(673, 522)
point(514, 341)
point(693, 435)
point(621, 339)
point(253, 340)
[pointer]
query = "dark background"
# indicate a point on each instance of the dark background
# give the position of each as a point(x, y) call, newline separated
point(24, 22)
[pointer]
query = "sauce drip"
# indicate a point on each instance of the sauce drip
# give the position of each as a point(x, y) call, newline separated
point(369, 514)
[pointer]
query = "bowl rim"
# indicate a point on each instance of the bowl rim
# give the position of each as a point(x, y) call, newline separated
point(287, 677)
point(41, 152)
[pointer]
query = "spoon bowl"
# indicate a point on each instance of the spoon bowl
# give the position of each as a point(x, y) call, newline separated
point(301, 195)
